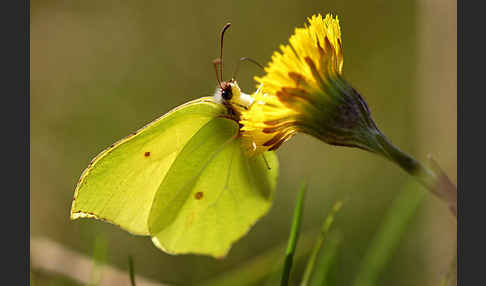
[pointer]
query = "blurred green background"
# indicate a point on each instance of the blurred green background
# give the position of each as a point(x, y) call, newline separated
point(102, 69)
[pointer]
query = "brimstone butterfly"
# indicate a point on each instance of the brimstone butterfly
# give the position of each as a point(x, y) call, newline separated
point(183, 179)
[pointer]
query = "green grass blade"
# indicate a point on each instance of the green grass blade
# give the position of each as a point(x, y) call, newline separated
point(322, 236)
point(389, 234)
point(294, 236)
point(326, 259)
point(259, 269)
point(32, 280)
point(131, 270)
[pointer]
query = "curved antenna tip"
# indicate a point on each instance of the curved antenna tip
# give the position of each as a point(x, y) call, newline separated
point(225, 28)
point(221, 52)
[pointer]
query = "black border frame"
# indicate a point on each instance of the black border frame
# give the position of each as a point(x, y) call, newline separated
point(471, 193)
point(15, 31)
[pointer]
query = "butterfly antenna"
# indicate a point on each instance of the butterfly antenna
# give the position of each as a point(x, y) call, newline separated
point(245, 59)
point(221, 52)
point(217, 62)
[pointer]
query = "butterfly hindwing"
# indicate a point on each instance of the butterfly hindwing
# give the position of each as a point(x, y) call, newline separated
point(212, 194)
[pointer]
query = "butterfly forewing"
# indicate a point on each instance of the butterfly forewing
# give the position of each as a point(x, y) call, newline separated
point(120, 183)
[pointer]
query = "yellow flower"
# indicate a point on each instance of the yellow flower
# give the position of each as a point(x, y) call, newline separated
point(267, 123)
point(303, 91)
point(312, 59)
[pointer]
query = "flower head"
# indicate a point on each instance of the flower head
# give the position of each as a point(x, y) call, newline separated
point(303, 91)
point(267, 123)
point(312, 58)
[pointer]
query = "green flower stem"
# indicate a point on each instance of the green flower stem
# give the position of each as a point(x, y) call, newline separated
point(434, 180)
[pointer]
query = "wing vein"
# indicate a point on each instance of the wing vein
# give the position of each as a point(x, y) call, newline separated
point(227, 180)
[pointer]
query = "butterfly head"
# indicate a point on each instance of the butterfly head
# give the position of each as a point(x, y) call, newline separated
point(229, 89)
point(228, 92)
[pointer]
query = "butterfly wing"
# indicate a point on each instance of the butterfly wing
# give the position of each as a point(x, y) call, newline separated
point(212, 194)
point(119, 185)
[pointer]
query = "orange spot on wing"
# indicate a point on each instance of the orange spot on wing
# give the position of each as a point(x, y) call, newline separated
point(199, 195)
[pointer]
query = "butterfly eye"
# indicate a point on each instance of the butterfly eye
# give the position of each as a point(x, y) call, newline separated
point(227, 94)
